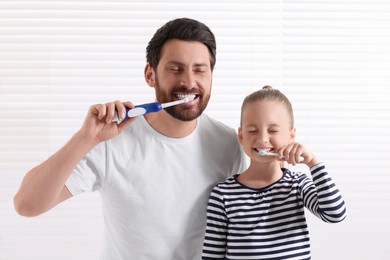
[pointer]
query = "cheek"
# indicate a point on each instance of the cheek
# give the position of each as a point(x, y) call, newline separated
point(168, 80)
point(281, 140)
point(205, 82)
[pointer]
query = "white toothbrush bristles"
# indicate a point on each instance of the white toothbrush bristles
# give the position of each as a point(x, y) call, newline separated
point(177, 102)
point(262, 152)
point(189, 98)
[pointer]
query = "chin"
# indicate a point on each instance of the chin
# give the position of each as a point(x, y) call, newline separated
point(184, 114)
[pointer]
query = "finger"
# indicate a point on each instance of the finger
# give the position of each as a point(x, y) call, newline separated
point(128, 104)
point(287, 152)
point(110, 112)
point(125, 123)
point(102, 111)
point(94, 109)
point(298, 154)
point(293, 154)
point(281, 156)
point(122, 109)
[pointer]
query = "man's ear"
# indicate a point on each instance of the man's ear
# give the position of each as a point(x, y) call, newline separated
point(149, 75)
point(239, 134)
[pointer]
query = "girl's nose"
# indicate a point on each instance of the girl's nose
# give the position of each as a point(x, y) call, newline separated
point(263, 137)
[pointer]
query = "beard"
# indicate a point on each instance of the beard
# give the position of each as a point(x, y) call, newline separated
point(183, 112)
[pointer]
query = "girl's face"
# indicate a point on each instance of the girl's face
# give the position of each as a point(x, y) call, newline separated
point(265, 125)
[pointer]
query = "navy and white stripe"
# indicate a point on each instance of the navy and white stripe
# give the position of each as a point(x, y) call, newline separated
point(269, 223)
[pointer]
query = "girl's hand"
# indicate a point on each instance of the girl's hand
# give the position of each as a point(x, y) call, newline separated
point(295, 153)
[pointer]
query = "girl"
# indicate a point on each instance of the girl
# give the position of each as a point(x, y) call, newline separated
point(259, 214)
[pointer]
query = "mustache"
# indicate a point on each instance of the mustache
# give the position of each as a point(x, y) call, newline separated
point(184, 90)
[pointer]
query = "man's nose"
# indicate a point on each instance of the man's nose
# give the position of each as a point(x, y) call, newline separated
point(188, 79)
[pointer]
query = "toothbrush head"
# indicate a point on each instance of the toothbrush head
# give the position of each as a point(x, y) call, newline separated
point(188, 98)
point(178, 102)
point(263, 152)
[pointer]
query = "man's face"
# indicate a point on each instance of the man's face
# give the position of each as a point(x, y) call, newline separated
point(184, 70)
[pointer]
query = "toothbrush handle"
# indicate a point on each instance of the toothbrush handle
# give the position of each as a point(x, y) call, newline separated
point(139, 110)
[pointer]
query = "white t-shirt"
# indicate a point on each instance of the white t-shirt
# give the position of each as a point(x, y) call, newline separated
point(155, 189)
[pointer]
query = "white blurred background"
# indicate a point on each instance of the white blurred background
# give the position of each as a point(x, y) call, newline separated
point(330, 57)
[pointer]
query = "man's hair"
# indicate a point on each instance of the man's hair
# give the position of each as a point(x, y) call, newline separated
point(185, 29)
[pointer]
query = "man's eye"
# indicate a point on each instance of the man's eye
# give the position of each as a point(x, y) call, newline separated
point(200, 70)
point(174, 69)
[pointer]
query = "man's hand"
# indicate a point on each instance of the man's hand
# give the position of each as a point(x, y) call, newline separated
point(98, 125)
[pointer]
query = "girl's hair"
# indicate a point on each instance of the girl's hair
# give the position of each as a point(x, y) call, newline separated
point(267, 93)
point(185, 29)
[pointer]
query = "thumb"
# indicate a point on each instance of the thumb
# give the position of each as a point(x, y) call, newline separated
point(125, 123)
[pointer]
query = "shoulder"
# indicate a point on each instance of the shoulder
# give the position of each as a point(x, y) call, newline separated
point(226, 186)
point(211, 124)
point(215, 131)
point(292, 176)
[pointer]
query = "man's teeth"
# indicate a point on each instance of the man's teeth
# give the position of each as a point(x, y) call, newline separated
point(189, 97)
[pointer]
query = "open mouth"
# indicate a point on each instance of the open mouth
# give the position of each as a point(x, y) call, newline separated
point(189, 96)
point(264, 149)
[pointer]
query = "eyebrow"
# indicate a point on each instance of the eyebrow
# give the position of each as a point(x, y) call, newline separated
point(177, 63)
point(271, 125)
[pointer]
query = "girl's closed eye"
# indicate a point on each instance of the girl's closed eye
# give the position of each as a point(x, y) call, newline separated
point(252, 131)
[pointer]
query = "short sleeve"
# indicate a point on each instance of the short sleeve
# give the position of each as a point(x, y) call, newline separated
point(87, 176)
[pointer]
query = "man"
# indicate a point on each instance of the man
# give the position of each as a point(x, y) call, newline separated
point(154, 172)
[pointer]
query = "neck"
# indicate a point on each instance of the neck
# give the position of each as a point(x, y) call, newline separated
point(260, 175)
point(169, 126)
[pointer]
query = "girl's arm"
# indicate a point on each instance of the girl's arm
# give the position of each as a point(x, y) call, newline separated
point(321, 195)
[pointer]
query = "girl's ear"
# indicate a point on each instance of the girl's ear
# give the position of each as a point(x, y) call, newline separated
point(149, 75)
point(292, 134)
point(239, 135)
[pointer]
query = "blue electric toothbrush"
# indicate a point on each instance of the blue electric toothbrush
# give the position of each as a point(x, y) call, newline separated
point(149, 108)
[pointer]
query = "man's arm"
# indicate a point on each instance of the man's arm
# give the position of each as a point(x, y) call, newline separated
point(43, 187)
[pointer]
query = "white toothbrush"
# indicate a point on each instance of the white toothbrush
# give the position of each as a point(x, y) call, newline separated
point(149, 108)
point(263, 152)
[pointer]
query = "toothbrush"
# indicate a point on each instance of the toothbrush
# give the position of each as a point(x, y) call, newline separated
point(149, 108)
point(262, 152)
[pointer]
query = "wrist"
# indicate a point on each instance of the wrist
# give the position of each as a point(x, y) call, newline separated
point(314, 161)
point(83, 138)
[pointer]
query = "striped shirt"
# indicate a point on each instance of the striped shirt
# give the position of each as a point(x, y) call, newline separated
point(269, 223)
